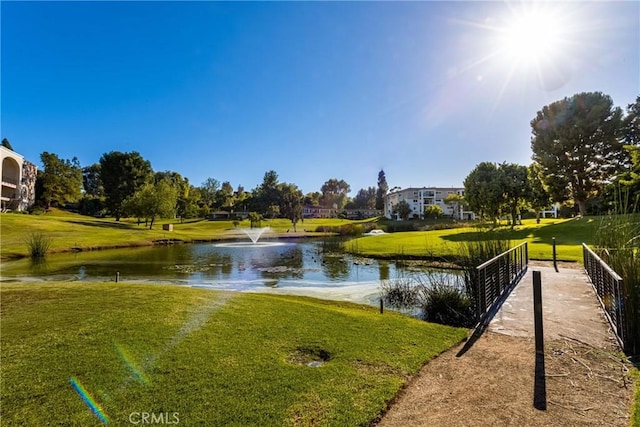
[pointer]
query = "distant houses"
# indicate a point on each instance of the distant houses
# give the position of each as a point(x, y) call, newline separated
point(18, 181)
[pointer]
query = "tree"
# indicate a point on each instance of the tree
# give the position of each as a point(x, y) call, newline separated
point(122, 175)
point(7, 144)
point(631, 124)
point(515, 187)
point(483, 191)
point(433, 211)
point(382, 190)
point(266, 194)
point(153, 201)
point(334, 194)
point(182, 188)
point(209, 191)
point(365, 199)
point(92, 202)
point(403, 209)
point(224, 196)
point(539, 198)
point(61, 180)
point(291, 203)
point(312, 199)
point(576, 142)
point(455, 200)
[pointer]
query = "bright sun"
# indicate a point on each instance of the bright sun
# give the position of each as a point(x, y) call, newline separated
point(531, 37)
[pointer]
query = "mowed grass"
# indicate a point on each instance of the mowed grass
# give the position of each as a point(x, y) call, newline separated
point(75, 232)
point(212, 358)
point(69, 231)
point(569, 234)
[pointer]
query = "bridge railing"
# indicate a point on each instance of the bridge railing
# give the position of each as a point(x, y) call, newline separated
point(496, 277)
point(607, 284)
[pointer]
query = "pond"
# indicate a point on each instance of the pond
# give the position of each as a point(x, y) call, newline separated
point(289, 267)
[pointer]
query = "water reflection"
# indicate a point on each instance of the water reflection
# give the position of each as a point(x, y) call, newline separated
point(300, 268)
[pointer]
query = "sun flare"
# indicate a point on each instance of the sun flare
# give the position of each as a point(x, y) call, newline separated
point(531, 37)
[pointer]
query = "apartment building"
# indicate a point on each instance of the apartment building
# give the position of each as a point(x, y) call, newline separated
point(18, 181)
point(419, 198)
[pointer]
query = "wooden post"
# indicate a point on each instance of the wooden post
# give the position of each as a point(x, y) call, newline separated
point(555, 264)
point(117, 276)
point(381, 306)
point(537, 312)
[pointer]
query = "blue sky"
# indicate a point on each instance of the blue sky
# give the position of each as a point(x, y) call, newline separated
point(312, 90)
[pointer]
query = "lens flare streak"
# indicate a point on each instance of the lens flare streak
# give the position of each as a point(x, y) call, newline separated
point(131, 364)
point(89, 400)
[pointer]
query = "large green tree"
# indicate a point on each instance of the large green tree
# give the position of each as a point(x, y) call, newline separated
point(539, 198)
point(291, 203)
point(266, 195)
point(61, 180)
point(483, 190)
point(577, 143)
point(153, 201)
point(122, 174)
point(515, 188)
point(334, 193)
point(382, 190)
point(366, 198)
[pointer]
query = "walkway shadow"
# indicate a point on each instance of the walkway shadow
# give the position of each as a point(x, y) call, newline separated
point(489, 315)
point(540, 384)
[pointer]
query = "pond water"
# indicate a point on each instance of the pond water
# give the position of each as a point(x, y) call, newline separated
point(289, 267)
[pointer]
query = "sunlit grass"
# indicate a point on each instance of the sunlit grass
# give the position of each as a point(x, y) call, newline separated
point(569, 236)
point(69, 231)
point(214, 358)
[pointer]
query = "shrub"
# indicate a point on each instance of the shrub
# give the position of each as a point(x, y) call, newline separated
point(38, 245)
point(445, 301)
point(401, 293)
point(439, 296)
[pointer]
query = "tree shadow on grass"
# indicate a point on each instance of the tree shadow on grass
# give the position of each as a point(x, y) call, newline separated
point(116, 225)
point(572, 232)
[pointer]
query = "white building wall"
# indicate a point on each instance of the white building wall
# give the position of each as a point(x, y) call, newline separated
point(419, 198)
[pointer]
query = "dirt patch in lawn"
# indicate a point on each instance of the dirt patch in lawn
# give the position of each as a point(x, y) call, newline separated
point(493, 384)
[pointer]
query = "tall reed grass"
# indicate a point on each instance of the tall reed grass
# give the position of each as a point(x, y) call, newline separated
point(482, 247)
point(617, 242)
point(38, 244)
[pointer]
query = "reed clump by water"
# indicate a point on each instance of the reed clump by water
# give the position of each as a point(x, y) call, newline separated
point(438, 296)
point(478, 249)
point(617, 242)
point(38, 244)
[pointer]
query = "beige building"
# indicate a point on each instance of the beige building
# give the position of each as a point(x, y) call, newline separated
point(18, 181)
point(419, 198)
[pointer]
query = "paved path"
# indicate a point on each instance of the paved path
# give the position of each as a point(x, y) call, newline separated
point(569, 307)
point(492, 383)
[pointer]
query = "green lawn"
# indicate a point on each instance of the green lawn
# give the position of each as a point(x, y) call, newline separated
point(212, 358)
point(569, 234)
point(72, 231)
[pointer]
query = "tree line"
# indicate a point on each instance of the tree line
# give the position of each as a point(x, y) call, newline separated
point(125, 185)
point(586, 156)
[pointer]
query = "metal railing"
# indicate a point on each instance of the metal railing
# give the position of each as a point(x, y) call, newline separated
point(607, 284)
point(496, 276)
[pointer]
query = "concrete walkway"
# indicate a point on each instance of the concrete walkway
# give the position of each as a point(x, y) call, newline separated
point(499, 378)
point(570, 308)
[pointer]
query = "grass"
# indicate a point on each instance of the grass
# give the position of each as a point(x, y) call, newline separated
point(210, 357)
point(569, 234)
point(68, 231)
